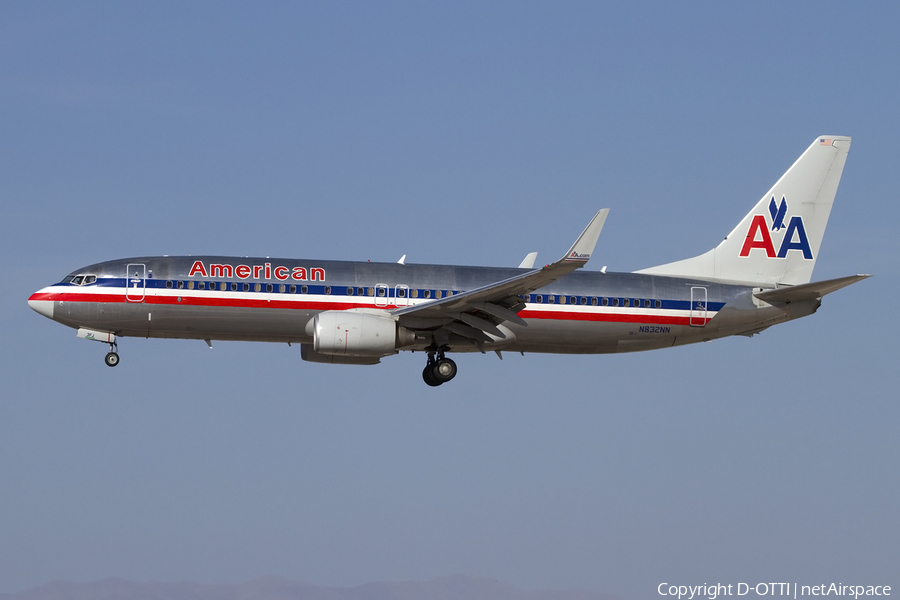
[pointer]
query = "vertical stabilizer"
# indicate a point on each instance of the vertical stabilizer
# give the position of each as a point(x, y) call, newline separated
point(778, 241)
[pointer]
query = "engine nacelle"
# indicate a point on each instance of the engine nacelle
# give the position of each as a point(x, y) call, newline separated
point(308, 354)
point(352, 333)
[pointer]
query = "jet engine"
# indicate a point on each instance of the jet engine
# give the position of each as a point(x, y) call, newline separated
point(352, 333)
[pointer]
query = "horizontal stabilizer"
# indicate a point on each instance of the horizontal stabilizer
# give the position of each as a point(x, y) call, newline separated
point(808, 291)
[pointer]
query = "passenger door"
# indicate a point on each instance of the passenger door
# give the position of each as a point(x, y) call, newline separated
point(698, 306)
point(135, 276)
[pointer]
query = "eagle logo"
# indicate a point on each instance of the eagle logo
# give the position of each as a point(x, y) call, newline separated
point(778, 213)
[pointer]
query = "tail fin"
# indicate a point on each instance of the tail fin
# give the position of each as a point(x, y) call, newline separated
point(778, 241)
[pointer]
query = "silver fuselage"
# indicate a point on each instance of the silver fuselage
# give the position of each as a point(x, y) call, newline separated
point(273, 300)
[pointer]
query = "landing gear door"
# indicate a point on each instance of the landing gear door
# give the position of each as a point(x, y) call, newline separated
point(135, 276)
point(698, 306)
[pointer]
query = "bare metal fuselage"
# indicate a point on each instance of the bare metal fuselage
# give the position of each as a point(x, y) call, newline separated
point(581, 313)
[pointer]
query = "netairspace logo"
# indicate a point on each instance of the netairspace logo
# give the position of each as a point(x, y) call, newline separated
point(713, 591)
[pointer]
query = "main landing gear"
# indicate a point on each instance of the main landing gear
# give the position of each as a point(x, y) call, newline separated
point(439, 369)
point(112, 357)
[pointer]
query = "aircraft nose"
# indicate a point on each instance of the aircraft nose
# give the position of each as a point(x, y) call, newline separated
point(44, 307)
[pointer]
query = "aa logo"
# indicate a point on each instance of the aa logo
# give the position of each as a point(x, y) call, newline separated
point(794, 237)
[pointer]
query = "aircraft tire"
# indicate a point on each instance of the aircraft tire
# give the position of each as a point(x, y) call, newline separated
point(444, 370)
point(112, 359)
point(429, 376)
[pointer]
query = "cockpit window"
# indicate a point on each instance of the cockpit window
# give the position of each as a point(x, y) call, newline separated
point(80, 279)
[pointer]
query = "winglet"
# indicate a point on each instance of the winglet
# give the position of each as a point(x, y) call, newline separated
point(583, 247)
point(528, 261)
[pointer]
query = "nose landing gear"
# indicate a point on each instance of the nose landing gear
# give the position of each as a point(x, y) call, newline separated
point(439, 369)
point(112, 357)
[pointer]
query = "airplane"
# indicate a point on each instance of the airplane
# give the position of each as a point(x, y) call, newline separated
point(356, 313)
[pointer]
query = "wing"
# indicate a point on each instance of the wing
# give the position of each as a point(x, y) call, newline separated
point(476, 314)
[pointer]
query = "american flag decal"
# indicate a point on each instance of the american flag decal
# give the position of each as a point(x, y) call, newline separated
point(824, 142)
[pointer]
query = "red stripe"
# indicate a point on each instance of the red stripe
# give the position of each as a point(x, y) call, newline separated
point(201, 301)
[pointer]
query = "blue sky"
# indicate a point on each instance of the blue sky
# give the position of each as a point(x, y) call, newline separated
point(462, 133)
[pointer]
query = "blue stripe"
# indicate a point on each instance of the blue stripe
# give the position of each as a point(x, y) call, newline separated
point(319, 290)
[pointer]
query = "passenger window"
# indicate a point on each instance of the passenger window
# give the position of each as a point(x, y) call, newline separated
point(583, 300)
point(180, 285)
point(539, 298)
point(349, 291)
point(256, 287)
point(293, 289)
point(223, 286)
point(562, 299)
point(401, 293)
point(327, 289)
point(360, 291)
point(414, 293)
point(246, 287)
point(605, 302)
point(437, 293)
point(201, 285)
point(659, 304)
point(593, 302)
point(269, 287)
point(168, 283)
point(233, 287)
point(190, 285)
point(551, 299)
point(370, 292)
point(626, 302)
point(646, 304)
point(427, 294)
point(615, 301)
point(282, 288)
